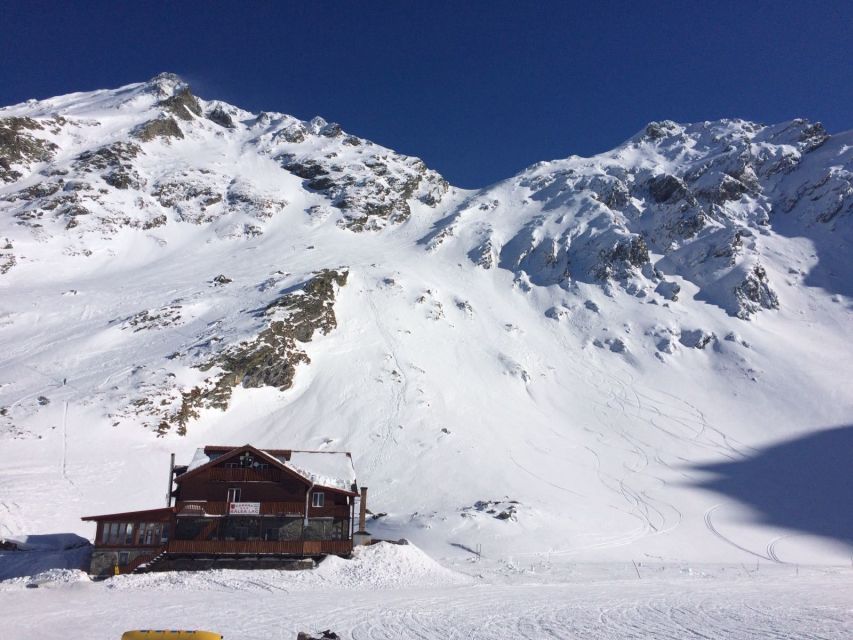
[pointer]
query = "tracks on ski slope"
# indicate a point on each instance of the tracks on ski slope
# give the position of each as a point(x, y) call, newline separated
point(709, 523)
point(64, 466)
point(397, 389)
point(815, 608)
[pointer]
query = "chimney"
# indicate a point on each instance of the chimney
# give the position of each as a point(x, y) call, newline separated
point(171, 478)
point(362, 513)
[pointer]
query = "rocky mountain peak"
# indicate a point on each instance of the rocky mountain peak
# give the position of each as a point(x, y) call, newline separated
point(165, 85)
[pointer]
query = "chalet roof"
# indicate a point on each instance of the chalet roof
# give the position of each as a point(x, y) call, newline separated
point(330, 469)
point(153, 514)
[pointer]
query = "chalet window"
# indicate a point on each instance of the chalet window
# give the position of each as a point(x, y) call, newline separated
point(115, 528)
point(105, 532)
point(128, 533)
point(233, 495)
point(318, 499)
point(122, 558)
point(232, 465)
point(152, 532)
point(164, 535)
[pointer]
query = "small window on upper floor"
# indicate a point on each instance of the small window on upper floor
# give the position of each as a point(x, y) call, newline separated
point(318, 499)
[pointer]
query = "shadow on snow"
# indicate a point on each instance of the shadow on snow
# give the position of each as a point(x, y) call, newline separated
point(804, 484)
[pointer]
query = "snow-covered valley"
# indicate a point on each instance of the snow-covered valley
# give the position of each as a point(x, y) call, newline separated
point(644, 356)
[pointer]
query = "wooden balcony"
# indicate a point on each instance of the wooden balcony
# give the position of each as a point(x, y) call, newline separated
point(261, 547)
point(245, 474)
point(280, 509)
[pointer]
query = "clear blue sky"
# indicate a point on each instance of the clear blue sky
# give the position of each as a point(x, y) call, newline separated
point(479, 90)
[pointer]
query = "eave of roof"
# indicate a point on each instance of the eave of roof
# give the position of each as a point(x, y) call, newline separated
point(147, 513)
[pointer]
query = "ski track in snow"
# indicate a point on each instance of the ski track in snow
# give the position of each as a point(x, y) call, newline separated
point(709, 523)
point(680, 608)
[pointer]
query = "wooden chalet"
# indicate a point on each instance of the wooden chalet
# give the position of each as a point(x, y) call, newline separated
point(239, 506)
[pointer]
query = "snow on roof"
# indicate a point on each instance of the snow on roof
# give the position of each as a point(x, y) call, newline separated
point(199, 459)
point(333, 469)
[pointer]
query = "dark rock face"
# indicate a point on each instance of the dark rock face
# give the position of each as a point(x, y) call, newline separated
point(172, 192)
point(182, 104)
point(619, 260)
point(660, 130)
point(754, 293)
point(504, 509)
point(372, 193)
point(17, 146)
point(331, 130)
point(160, 128)
point(812, 136)
point(221, 117)
point(269, 359)
point(7, 257)
point(634, 251)
point(307, 169)
point(667, 188)
point(295, 133)
point(115, 163)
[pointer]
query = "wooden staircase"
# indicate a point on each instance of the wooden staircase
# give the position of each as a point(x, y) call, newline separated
point(146, 563)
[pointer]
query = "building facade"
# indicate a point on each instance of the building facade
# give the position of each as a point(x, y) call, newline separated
point(238, 505)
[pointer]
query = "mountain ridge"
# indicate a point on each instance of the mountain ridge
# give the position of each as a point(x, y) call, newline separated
point(585, 337)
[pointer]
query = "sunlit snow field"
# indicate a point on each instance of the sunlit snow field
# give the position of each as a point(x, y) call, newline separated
point(390, 591)
point(662, 489)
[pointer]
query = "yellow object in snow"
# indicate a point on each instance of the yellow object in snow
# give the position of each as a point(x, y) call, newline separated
point(154, 634)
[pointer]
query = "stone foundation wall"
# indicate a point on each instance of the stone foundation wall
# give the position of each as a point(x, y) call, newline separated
point(104, 560)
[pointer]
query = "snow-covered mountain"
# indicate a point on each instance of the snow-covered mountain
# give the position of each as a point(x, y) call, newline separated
point(643, 354)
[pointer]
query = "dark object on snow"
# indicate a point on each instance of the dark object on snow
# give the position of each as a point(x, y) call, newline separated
point(324, 635)
point(32, 585)
point(222, 279)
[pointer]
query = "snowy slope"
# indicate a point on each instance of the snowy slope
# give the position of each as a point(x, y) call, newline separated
point(584, 347)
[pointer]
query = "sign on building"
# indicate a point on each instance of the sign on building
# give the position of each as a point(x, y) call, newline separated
point(244, 508)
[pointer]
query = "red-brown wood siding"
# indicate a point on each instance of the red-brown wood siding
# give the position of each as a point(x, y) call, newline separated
point(289, 547)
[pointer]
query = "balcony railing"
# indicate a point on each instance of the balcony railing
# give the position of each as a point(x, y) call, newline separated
point(240, 474)
point(280, 509)
point(262, 547)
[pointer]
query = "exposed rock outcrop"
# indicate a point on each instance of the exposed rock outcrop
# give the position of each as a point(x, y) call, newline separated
point(269, 359)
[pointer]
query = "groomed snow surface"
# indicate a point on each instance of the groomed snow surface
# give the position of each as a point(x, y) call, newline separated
point(397, 591)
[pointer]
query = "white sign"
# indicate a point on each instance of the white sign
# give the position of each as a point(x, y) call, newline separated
point(244, 508)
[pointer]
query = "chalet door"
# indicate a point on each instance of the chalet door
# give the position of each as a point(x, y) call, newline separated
point(233, 495)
